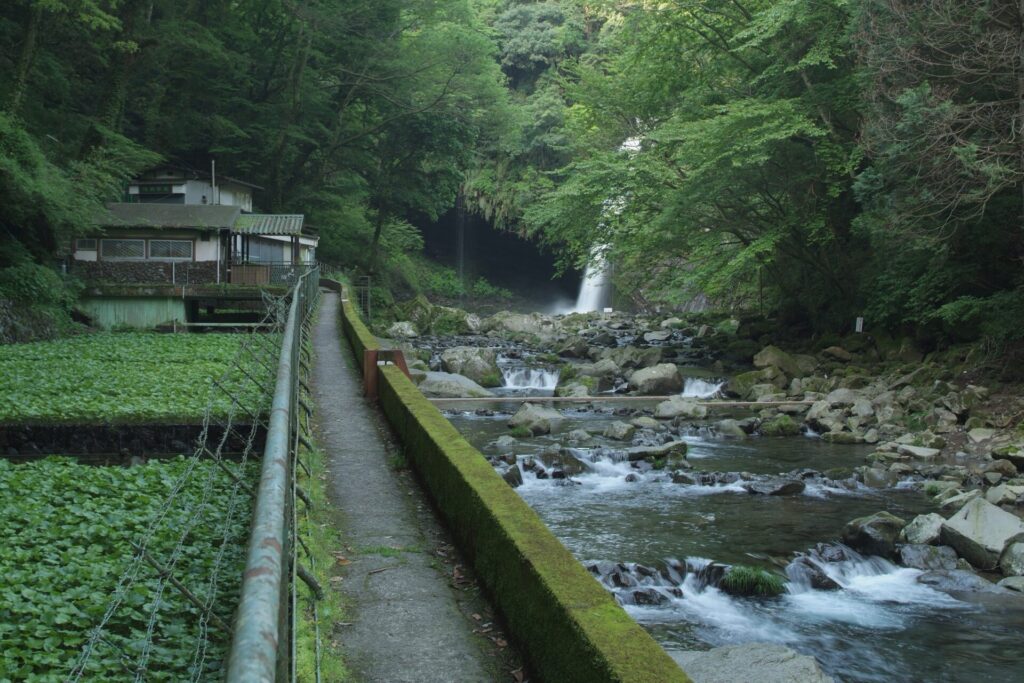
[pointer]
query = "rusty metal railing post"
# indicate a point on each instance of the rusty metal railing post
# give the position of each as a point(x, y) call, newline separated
point(261, 647)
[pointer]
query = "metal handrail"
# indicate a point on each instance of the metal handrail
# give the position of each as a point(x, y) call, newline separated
point(261, 647)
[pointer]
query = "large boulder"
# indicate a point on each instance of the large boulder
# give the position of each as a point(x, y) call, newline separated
point(404, 329)
point(1005, 494)
point(514, 476)
point(633, 357)
point(604, 368)
point(750, 663)
point(780, 425)
point(774, 357)
point(673, 451)
point(918, 452)
point(480, 365)
point(576, 389)
point(657, 380)
point(926, 557)
point(740, 385)
point(958, 582)
point(447, 385)
point(440, 320)
point(1012, 561)
point(575, 347)
point(657, 336)
point(875, 534)
point(538, 419)
point(924, 529)
point(730, 429)
point(842, 397)
point(776, 486)
point(677, 406)
point(520, 323)
point(837, 353)
point(980, 532)
point(620, 431)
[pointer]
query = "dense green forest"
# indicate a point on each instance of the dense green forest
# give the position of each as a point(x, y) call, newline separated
point(816, 160)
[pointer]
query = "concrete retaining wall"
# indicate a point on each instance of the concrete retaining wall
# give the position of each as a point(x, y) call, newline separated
point(137, 312)
point(569, 628)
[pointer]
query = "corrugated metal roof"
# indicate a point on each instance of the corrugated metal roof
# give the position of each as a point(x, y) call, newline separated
point(269, 224)
point(145, 215)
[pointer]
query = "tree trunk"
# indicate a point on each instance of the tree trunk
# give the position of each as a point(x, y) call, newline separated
point(378, 228)
point(28, 53)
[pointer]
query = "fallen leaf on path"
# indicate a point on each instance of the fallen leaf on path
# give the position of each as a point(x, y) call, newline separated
point(518, 675)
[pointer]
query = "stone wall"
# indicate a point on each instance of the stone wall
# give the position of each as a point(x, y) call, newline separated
point(146, 272)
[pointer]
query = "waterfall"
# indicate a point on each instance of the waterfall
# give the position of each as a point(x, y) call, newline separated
point(522, 377)
point(596, 288)
point(695, 387)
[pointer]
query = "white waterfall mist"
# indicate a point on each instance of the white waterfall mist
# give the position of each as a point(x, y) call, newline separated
point(596, 288)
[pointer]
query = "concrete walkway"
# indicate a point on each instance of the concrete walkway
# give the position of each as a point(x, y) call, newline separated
point(405, 620)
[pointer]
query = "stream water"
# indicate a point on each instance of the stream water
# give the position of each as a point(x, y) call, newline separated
point(881, 625)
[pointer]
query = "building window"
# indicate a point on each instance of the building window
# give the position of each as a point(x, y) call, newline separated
point(123, 250)
point(85, 245)
point(170, 250)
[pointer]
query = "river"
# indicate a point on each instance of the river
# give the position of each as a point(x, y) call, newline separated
point(882, 625)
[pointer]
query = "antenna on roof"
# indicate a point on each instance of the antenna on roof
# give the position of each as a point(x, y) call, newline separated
point(213, 181)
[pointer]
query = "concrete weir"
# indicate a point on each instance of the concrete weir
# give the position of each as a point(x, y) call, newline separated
point(567, 626)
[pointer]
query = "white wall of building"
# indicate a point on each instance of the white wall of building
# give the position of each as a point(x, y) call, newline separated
point(206, 249)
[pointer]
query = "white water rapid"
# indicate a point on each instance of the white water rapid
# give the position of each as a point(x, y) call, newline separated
point(695, 387)
point(522, 377)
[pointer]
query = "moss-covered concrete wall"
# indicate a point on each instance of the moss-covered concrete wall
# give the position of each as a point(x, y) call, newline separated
point(358, 335)
point(569, 628)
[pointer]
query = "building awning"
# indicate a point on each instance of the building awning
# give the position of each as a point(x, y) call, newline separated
point(269, 224)
point(195, 216)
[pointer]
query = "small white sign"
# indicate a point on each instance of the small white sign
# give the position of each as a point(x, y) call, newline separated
point(609, 310)
point(859, 327)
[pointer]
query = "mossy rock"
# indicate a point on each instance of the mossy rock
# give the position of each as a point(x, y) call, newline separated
point(746, 581)
point(521, 432)
point(741, 384)
point(781, 425)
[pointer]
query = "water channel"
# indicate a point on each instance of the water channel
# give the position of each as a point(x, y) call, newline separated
point(883, 624)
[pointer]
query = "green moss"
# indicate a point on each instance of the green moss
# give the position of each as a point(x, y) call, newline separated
point(781, 425)
point(743, 580)
point(491, 379)
point(567, 372)
point(520, 432)
point(319, 532)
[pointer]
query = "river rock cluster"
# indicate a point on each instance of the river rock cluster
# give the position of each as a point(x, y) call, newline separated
point(930, 428)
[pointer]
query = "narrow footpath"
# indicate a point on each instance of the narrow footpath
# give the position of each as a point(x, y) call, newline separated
point(407, 619)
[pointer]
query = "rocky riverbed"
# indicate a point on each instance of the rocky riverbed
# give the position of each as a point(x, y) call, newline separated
point(881, 488)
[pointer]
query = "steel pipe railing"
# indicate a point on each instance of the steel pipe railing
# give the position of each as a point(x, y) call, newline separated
point(261, 650)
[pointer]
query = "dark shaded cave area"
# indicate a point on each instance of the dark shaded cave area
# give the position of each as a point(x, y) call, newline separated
point(503, 258)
